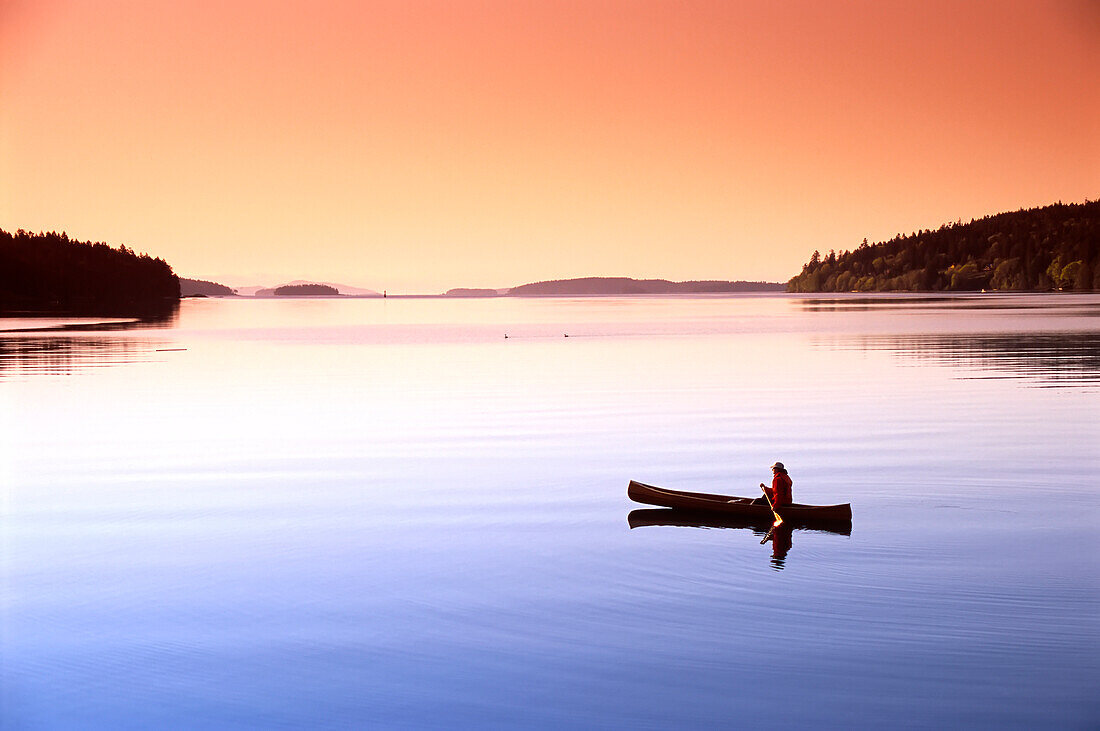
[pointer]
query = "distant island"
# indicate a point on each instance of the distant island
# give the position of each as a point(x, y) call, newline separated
point(304, 290)
point(49, 272)
point(203, 288)
point(338, 289)
point(1055, 247)
point(471, 292)
point(594, 286)
point(625, 285)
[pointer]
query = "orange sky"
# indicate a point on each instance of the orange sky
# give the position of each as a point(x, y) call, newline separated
point(417, 146)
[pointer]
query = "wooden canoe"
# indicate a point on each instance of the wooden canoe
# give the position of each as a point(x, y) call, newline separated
point(729, 504)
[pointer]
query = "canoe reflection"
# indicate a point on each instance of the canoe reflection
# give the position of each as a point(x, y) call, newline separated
point(781, 538)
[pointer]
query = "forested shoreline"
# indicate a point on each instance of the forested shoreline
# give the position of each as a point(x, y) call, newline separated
point(49, 272)
point(1054, 247)
point(204, 288)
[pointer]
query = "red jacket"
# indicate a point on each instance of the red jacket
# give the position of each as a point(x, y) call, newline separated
point(780, 491)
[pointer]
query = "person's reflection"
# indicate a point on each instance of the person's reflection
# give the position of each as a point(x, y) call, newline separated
point(781, 544)
point(780, 536)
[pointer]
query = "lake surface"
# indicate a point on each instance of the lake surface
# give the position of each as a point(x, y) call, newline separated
point(383, 513)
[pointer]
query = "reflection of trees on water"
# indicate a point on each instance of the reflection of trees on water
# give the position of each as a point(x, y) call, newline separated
point(1050, 360)
point(862, 304)
point(1057, 304)
point(53, 351)
point(163, 319)
point(880, 304)
point(64, 355)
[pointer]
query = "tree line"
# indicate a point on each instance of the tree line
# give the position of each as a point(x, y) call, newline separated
point(51, 272)
point(1054, 247)
point(203, 287)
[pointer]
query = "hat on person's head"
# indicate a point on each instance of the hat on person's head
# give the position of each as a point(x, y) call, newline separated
point(778, 466)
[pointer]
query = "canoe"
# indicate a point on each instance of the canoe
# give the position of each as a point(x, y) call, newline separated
point(795, 512)
point(709, 519)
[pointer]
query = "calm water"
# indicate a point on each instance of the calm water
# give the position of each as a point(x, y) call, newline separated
point(332, 513)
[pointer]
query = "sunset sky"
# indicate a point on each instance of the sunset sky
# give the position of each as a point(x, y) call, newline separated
point(417, 146)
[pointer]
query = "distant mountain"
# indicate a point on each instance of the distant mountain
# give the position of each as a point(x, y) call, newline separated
point(1038, 249)
point(194, 287)
point(627, 286)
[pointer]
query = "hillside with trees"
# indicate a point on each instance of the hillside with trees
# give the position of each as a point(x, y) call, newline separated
point(49, 272)
point(203, 288)
point(1055, 247)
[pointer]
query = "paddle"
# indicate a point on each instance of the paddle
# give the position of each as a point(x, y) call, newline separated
point(767, 535)
point(778, 521)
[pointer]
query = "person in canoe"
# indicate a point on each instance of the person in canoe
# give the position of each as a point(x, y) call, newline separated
point(780, 491)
